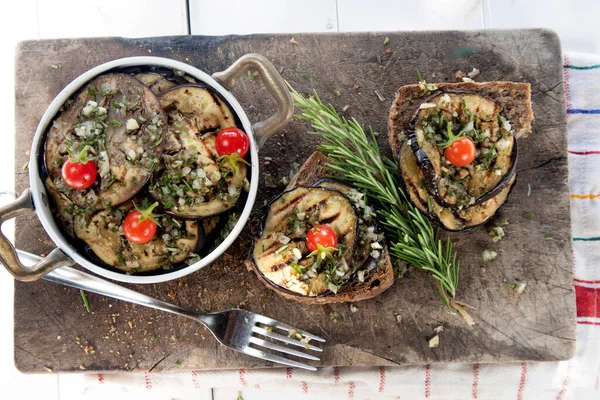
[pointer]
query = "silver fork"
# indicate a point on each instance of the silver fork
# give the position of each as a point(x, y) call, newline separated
point(240, 330)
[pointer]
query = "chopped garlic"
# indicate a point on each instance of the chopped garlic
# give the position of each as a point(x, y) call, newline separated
point(474, 73)
point(445, 98)
point(427, 105)
point(488, 255)
point(467, 79)
point(89, 108)
point(132, 124)
point(131, 154)
point(519, 288)
point(353, 308)
point(297, 253)
point(376, 246)
point(361, 276)
point(439, 329)
point(434, 341)
point(497, 233)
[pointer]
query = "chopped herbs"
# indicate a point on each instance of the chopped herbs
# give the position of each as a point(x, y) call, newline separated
point(335, 317)
point(270, 293)
point(528, 216)
point(178, 363)
point(353, 308)
point(303, 75)
point(47, 369)
point(548, 238)
point(85, 300)
point(333, 90)
point(379, 96)
point(519, 288)
point(152, 338)
point(26, 166)
point(114, 122)
point(386, 40)
point(250, 75)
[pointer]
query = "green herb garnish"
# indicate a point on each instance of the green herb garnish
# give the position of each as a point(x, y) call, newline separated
point(85, 300)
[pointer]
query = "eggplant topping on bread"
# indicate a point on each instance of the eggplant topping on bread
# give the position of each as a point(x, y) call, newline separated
point(457, 147)
point(356, 268)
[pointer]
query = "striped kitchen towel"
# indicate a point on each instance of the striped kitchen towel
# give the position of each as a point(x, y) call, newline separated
point(577, 378)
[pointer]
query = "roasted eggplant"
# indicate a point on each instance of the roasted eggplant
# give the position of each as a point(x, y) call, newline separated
point(448, 218)
point(103, 233)
point(469, 115)
point(119, 122)
point(159, 82)
point(458, 197)
point(192, 181)
point(280, 253)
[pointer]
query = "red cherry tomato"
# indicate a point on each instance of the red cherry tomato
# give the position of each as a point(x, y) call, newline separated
point(232, 140)
point(78, 175)
point(138, 232)
point(462, 152)
point(320, 234)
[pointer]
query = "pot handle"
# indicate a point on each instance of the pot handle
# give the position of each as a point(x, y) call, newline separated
point(275, 85)
point(8, 254)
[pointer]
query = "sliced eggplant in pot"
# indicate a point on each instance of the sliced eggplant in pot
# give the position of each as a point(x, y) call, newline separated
point(477, 118)
point(173, 243)
point(192, 180)
point(159, 82)
point(121, 126)
point(281, 254)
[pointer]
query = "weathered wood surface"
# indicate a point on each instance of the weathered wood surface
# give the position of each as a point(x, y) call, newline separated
point(537, 325)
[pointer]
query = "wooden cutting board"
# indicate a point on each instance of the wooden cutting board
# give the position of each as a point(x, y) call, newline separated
point(52, 327)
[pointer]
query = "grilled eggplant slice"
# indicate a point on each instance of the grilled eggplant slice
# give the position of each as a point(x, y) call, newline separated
point(448, 218)
point(276, 252)
point(191, 181)
point(124, 127)
point(478, 118)
point(174, 241)
point(368, 242)
point(159, 83)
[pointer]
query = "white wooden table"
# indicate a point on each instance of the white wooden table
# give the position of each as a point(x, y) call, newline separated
point(575, 21)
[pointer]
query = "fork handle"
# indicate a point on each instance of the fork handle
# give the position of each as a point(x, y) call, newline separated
point(81, 280)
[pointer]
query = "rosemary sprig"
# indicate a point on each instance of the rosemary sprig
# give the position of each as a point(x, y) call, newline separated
point(358, 161)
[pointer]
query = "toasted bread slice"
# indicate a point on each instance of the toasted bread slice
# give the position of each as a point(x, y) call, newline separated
point(375, 283)
point(515, 99)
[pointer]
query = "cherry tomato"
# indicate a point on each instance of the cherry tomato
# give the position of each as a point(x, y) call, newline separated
point(232, 140)
point(320, 234)
point(138, 232)
point(462, 152)
point(78, 175)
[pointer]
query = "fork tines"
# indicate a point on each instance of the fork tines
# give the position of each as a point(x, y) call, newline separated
point(290, 336)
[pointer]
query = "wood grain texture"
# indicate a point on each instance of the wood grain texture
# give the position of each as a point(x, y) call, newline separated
point(537, 325)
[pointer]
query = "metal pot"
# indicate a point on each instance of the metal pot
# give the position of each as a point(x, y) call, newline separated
point(35, 198)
